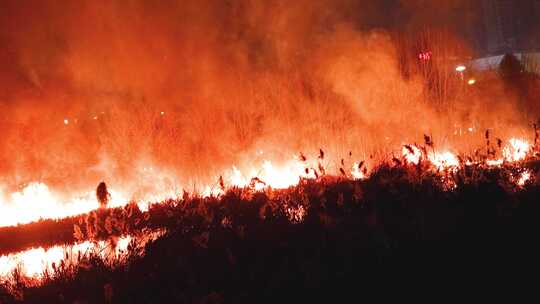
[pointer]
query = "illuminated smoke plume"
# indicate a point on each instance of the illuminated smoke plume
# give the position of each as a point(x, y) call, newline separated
point(162, 93)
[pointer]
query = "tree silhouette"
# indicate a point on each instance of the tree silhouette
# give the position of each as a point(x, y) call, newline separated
point(521, 83)
point(510, 69)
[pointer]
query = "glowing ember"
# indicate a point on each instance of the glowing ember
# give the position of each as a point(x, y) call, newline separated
point(523, 178)
point(296, 214)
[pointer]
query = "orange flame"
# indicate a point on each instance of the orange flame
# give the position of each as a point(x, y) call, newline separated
point(35, 261)
point(37, 201)
point(444, 160)
point(517, 150)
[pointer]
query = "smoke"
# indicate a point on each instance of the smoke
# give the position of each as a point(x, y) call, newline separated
point(114, 90)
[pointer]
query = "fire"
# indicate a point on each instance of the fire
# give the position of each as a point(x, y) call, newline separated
point(282, 176)
point(523, 178)
point(36, 201)
point(444, 160)
point(517, 150)
point(267, 175)
point(296, 214)
point(35, 261)
point(277, 177)
point(412, 154)
point(441, 160)
point(356, 173)
point(273, 176)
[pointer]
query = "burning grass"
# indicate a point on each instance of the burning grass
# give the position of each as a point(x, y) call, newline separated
point(249, 244)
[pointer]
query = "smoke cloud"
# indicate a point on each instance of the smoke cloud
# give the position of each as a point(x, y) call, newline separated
point(111, 90)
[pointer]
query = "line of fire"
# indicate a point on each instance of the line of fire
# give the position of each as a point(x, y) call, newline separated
point(265, 151)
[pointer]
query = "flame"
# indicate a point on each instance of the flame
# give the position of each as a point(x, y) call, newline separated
point(517, 150)
point(36, 201)
point(444, 160)
point(268, 175)
point(277, 177)
point(412, 154)
point(356, 173)
point(35, 261)
point(280, 177)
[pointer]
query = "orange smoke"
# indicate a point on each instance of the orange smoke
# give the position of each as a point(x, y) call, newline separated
point(163, 97)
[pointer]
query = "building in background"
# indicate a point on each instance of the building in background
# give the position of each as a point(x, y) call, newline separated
point(511, 26)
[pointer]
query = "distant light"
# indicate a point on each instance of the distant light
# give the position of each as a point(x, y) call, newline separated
point(95, 117)
point(461, 68)
point(162, 113)
point(471, 81)
point(66, 121)
point(425, 56)
point(470, 129)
